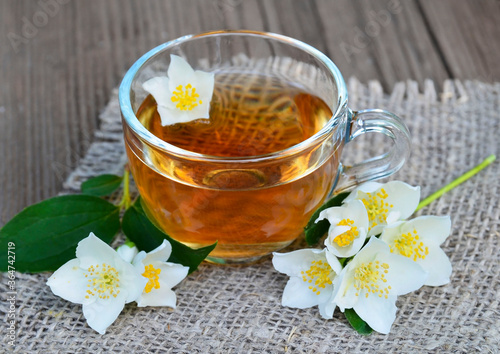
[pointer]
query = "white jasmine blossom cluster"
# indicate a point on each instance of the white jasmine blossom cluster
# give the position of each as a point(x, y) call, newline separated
point(406, 256)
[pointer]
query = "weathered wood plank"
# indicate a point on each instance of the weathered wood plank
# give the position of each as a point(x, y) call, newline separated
point(238, 14)
point(296, 19)
point(385, 41)
point(467, 36)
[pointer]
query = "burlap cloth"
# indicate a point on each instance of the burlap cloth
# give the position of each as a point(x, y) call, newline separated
point(237, 309)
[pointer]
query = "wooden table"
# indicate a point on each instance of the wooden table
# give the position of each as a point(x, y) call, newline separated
point(60, 60)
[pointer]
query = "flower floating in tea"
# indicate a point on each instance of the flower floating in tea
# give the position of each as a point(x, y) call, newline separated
point(399, 257)
point(182, 96)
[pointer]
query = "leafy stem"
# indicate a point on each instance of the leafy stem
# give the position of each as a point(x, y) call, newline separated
point(456, 182)
point(126, 201)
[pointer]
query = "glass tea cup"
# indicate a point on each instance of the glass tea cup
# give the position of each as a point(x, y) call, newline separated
point(257, 196)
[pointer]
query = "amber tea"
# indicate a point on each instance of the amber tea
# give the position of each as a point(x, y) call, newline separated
point(251, 211)
point(251, 174)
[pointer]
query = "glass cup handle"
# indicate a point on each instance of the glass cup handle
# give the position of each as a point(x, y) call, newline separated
point(378, 121)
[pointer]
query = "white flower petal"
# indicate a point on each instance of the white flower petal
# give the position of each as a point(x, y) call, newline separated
point(202, 110)
point(158, 297)
point(179, 70)
point(293, 263)
point(392, 217)
point(356, 210)
point(375, 230)
point(92, 250)
point(431, 232)
point(171, 273)
point(438, 266)
point(102, 313)
point(160, 253)
point(180, 76)
point(331, 214)
point(387, 204)
point(137, 261)
point(312, 273)
point(69, 282)
point(356, 245)
point(336, 230)
point(158, 87)
point(378, 312)
point(367, 187)
point(344, 293)
point(431, 229)
point(340, 287)
point(391, 233)
point(327, 308)
point(352, 212)
point(298, 295)
point(404, 275)
point(371, 282)
point(170, 116)
point(369, 252)
point(333, 262)
point(173, 85)
point(404, 197)
point(345, 251)
point(132, 282)
point(127, 253)
point(206, 83)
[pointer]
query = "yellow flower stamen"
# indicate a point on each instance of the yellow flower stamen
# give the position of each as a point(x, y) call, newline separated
point(103, 282)
point(319, 272)
point(347, 237)
point(376, 207)
point(153, 275)
point(369, 277)
point(409, 246)
point(186, 98)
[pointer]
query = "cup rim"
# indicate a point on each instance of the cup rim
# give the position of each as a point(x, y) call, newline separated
point(133, 122)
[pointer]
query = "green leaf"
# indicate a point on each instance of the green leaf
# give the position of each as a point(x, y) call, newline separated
point(46, 234)
point(146, 236)
point(315, 231)
point(102, 185)
point(344, 261)
point(357, 323)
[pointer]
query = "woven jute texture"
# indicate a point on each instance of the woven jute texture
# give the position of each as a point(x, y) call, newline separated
point(238, 309)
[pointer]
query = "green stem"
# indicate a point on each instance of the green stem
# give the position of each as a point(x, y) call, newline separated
point(456, 182)
point(126, 200)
